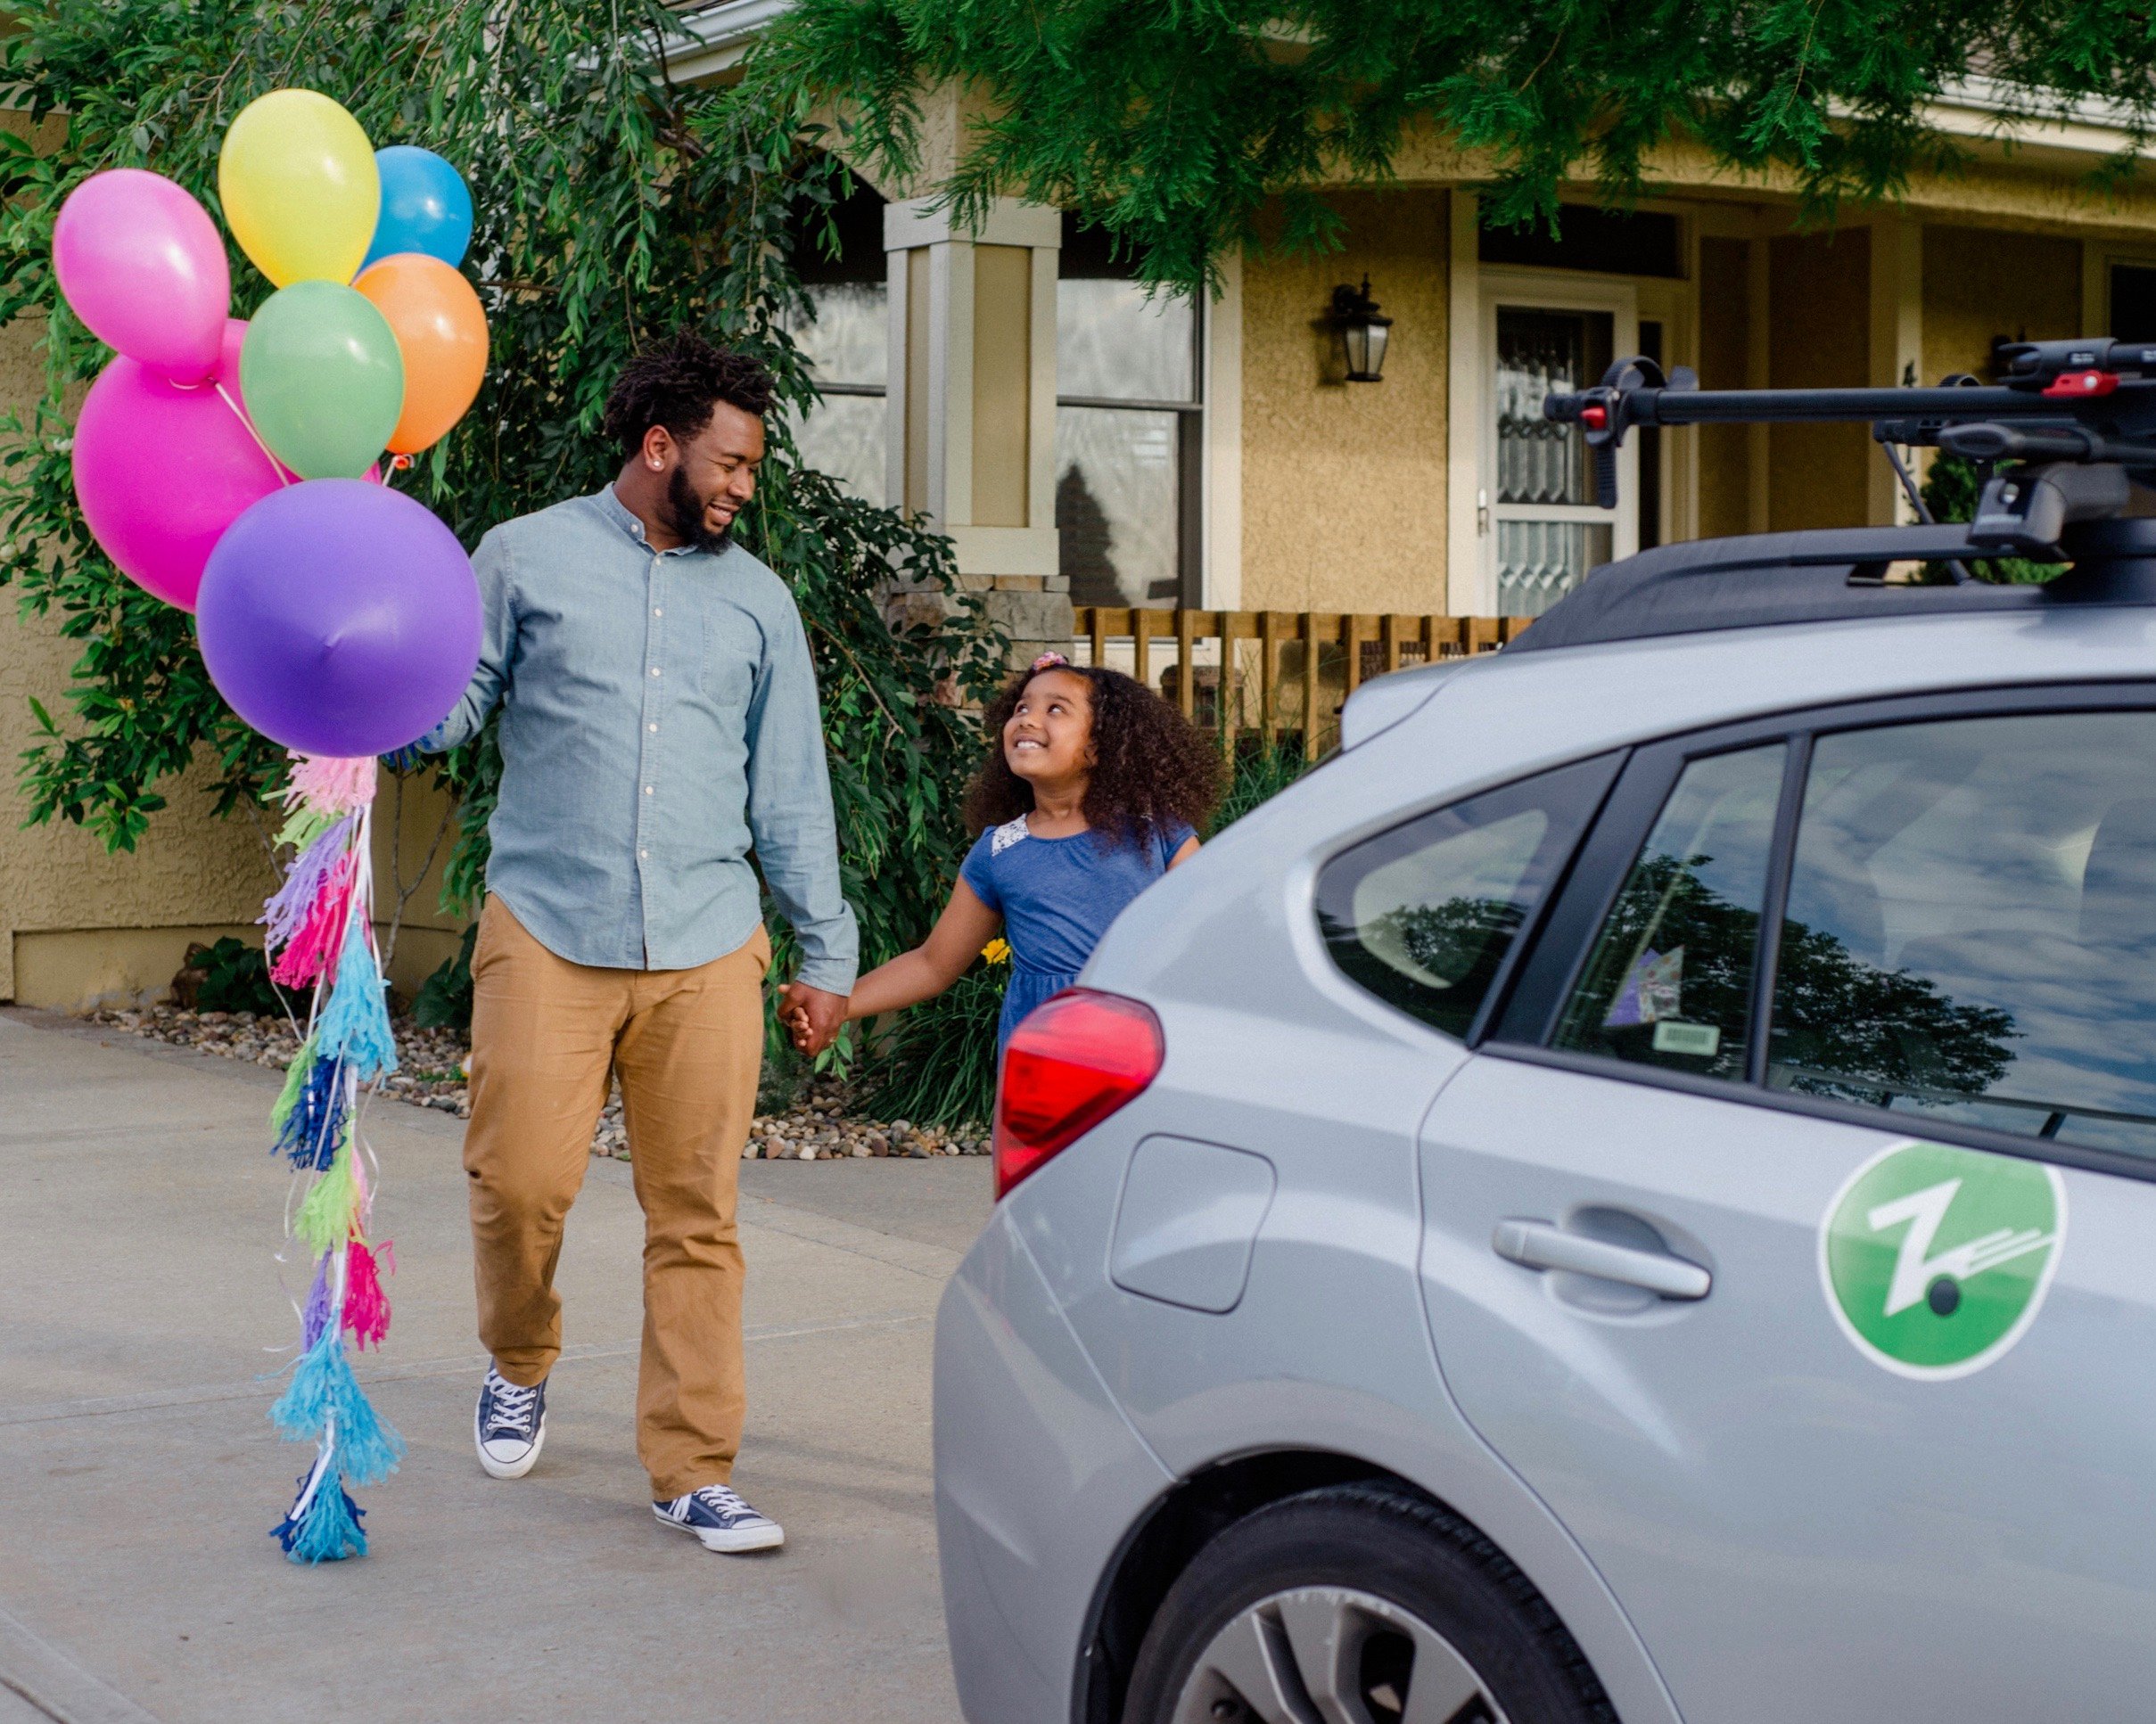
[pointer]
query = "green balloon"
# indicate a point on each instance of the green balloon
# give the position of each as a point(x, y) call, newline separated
point(323, 378)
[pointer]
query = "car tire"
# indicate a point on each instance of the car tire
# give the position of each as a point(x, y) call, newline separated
point(1331, 1604)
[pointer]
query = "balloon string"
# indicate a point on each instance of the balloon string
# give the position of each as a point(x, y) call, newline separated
point(258, 443)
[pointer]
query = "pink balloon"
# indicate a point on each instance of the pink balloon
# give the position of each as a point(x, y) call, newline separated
point(141, 262)
point(162, 468)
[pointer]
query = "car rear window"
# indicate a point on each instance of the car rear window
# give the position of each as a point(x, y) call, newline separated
point(1971, 932)
point(1424, 915)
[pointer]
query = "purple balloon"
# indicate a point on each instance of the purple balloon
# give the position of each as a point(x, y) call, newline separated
point(339, 617)
point(141, 262)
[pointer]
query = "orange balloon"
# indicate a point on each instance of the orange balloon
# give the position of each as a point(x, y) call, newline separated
point(441, 331)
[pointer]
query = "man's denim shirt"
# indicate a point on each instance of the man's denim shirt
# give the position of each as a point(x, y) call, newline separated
point(659, 718)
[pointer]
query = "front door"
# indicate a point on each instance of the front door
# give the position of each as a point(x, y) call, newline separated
point(1542, 529)
point(1833, 1350)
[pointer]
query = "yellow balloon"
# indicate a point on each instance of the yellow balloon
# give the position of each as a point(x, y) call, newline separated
point(300, 187)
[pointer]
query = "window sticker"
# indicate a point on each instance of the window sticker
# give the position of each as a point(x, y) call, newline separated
point(1936, 1258)
point(1700, 1040)
point(1652, 991)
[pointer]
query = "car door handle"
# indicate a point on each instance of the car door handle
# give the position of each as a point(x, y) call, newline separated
point(1538, 1245)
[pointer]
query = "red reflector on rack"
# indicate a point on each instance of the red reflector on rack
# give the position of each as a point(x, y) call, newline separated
point(1595, 417)
point(2076, 385)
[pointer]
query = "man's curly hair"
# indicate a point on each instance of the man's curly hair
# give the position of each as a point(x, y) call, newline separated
point(675, 382)
point(1151, 765)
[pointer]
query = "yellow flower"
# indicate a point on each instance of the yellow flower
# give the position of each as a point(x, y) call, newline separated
point(997, 951)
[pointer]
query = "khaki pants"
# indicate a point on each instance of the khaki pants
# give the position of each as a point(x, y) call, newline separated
point(686, 1045)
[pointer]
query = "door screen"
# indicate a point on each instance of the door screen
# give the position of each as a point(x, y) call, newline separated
point(1549, 532)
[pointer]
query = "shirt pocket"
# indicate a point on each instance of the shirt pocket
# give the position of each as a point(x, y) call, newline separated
point(729, 647)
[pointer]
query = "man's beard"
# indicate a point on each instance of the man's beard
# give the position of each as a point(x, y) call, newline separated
point(685, 516)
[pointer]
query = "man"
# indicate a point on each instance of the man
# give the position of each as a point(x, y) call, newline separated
point(659, 718)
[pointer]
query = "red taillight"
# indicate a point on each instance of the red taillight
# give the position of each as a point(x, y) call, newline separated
point(1595, 417)
point(1072, 1062)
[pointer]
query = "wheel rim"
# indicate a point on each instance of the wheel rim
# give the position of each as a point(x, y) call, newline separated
point(1332, 1656)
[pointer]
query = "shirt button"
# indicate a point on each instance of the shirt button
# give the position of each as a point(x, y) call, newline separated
point(657, 612)
point(643, 856)
point(655, 670)
point(651, 727)
point(647, 790)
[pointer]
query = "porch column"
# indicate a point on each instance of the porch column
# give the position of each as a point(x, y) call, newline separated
point(972, 402)
point(1896, 345)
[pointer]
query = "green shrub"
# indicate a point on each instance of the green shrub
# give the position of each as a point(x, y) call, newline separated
point(937, 1064)
point(444, 1001)
point(1261, 771)
point(232, 976)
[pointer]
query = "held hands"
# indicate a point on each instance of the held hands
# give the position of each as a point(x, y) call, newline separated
point(811, 1016)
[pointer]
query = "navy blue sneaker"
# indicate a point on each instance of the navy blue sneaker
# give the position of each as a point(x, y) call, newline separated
point(717, 1515)
point(509, 1426)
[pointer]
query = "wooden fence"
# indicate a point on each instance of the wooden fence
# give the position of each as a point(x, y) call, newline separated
point(1285, 674)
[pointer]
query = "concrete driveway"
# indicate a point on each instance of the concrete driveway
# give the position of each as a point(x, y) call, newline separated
point(141, 1308)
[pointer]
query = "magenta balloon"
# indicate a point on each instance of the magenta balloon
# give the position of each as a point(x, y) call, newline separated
point(141, 262)
point(340, 617)
point(161, 469)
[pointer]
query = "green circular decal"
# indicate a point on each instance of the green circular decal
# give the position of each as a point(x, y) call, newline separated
point(1935, 1259)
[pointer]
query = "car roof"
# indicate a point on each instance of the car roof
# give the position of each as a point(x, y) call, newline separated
point(1770, 580)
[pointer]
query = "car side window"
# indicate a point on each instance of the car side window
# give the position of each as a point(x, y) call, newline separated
point(1669, 979)
point(1971, 932)
point(1423, 915)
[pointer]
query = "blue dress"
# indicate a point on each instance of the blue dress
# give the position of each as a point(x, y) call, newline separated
point(1057, 897)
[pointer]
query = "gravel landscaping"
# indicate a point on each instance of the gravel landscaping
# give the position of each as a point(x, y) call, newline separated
point(819, 1125)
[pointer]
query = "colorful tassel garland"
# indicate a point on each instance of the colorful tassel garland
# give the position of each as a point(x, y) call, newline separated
point(324, 1220)
point(355, 1025)
point(313, 949)
point(322, 1525)
point(314, 1125)
point(305, 825)
point(323, 1391)
point(316, 1314)
point(317, 926)
point(327, 781)
point(366, 1311)
point(295, 1081)
point(304, 881)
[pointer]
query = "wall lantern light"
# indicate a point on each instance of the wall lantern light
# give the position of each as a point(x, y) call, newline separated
point(1363, 331)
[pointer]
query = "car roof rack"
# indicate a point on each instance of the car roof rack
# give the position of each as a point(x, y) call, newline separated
point(2076, 419)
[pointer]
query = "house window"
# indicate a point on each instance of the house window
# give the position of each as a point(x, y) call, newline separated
point(846, 338)
point(1128, 432)
point(2132, 302)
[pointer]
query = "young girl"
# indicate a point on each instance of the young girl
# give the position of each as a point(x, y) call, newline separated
point(1095, 791)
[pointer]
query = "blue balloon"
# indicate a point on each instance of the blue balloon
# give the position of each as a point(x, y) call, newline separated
point(425, 207)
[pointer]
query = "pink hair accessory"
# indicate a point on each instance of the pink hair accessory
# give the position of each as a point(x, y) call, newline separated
point(1050, 661)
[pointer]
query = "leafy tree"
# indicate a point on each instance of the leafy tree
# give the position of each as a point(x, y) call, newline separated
point(613, 204)
point(1174, 123)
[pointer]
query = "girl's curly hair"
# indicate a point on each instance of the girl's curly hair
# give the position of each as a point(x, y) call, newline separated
point(1151, 765)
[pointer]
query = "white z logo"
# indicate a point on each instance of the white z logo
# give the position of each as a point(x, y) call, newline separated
point(1924, 1210)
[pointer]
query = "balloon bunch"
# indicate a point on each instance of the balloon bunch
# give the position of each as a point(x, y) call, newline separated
point(230, 469)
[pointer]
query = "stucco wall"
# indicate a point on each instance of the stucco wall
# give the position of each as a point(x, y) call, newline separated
point(1819, 291)
point(1725, 314)
point(1344, 484)
point(1979, 282)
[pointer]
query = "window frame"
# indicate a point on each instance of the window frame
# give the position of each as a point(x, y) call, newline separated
point(1528, 996)
point(1189, 457)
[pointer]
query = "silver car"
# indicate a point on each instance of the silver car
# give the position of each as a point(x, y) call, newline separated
point(1623, 1195)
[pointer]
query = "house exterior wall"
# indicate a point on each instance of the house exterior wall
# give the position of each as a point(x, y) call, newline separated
point(1982, 281)
point(1344, 484)
point(1818, 319)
